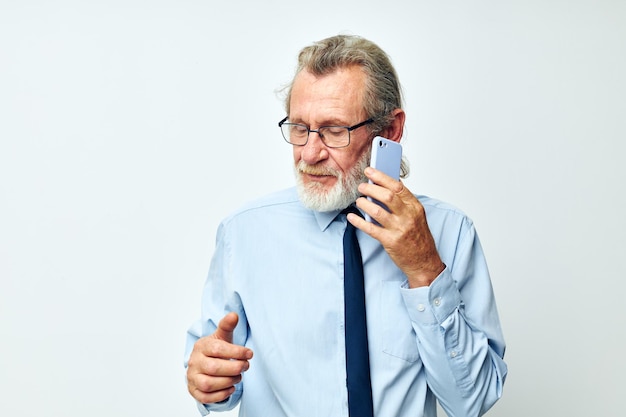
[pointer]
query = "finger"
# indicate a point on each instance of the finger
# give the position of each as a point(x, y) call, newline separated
point(384, 180)
point(209, 390)
point(383, 189)
point(370, 228)
point(376, 191)
point(373, 209)
point(209, 383)
point(395, 187)
point(212, 397)
point(225, 330)
point(211, 347)
point(381, 204)
point(226, 327)
point(393, 194)
point(223, 367)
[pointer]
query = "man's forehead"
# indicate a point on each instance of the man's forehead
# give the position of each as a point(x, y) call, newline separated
point(340, 91)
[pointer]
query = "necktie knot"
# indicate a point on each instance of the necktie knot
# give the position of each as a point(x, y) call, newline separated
point(351, 209)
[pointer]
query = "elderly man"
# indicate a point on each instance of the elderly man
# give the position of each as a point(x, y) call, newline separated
point(287, 330)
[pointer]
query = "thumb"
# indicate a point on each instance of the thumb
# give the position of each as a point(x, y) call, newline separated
point(226, 327)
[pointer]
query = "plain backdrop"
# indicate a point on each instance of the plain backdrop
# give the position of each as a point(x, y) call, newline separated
point(129, 129)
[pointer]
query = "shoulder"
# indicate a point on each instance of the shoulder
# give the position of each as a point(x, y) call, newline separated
point(260, 221)
point(287, 196)
point(268, 206)
point(441, 212)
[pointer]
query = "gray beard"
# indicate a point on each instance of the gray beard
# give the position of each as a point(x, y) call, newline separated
point(341, 195)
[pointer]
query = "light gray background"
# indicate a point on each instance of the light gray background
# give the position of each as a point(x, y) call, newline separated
point(128, 129)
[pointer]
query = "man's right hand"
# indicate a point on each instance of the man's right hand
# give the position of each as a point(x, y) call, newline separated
point(216, 364)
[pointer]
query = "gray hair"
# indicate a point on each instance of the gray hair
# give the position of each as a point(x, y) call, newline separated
point(383, 93)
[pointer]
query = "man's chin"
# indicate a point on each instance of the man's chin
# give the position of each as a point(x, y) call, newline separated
point(319, 198)
point(328, 195)
point(315, 198)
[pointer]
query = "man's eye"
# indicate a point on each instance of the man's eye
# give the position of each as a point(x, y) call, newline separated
point(299, 130)
point(334, 131)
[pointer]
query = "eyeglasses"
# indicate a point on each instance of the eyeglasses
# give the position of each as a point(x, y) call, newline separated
point(332, 136)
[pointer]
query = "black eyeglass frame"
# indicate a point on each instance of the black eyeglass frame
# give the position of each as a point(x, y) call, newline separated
point(309, 130)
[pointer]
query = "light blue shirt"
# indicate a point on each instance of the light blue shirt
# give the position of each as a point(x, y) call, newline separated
point(280, 267)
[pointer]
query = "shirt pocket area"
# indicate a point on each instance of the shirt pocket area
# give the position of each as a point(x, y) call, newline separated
point(399, 338)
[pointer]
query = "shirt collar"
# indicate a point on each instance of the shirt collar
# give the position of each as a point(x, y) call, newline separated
point(325, 218)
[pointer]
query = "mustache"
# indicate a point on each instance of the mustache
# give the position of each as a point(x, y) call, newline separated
point(305, 168)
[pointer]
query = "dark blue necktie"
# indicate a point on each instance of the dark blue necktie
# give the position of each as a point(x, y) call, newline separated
point(357, 354)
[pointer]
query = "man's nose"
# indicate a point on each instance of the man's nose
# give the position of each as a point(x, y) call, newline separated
point(314, 150)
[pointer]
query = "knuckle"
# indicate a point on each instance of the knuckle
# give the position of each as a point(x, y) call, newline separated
point(213, 390)
point(370, 228)
point(397, 187)
point(206, 385)
point(212, 367)
point(196, 386)
point(214, 348)
point(376, 212)
point(192, 363)
point(387, 196)
point(421, 212)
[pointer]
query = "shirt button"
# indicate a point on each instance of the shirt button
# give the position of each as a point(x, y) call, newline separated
point(420, 307)
point(437, 301)
point(453, 354)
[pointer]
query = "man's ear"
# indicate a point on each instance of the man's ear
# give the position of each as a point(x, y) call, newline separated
point(396, 128)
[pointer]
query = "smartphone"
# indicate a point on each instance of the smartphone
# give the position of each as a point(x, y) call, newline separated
point(386, 157)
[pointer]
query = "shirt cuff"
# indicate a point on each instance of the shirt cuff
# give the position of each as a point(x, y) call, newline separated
point(433, 304)
point(223, 405)
point(202, 408)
